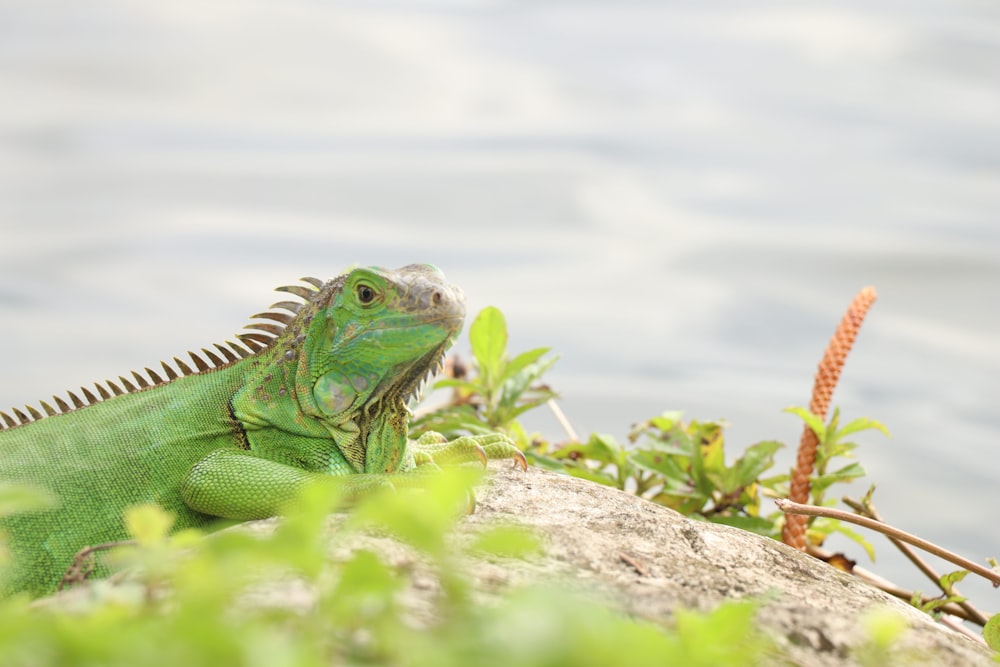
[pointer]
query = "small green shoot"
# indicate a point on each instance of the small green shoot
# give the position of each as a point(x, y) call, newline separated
point(834, 444)
point(934, 605)
point(503, 390)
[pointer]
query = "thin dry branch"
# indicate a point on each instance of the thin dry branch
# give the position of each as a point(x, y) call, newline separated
point(793, 508)
point(563, 421)
point(866, 509)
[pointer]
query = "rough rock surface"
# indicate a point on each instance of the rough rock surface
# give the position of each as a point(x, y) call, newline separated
point(647, 561)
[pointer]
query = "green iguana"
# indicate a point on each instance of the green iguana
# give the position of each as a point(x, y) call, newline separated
point(319, 392)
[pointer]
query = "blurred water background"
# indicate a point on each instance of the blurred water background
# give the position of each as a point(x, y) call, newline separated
point(680, 198)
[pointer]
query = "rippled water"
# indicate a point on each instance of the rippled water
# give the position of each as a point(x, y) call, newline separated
point(681, 199)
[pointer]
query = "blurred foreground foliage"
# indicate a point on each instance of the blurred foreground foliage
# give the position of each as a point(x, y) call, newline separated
point(194, 601)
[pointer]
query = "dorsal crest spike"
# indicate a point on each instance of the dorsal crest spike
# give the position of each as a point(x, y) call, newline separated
point(49, 410)
point(227, 353)
point(241, 351)
point(104, 394)
point(77, 403)
point(154, 376)
point(272, 329)
point(89, 396)
point(199, 363)
point(213, 358)
point(185, 369)
point(255, 341)
point(62, 405)
point(315, 282)
point(8, 420)
point(115, 389)
point(281, 318)
point(140, 381)
point(35, 414)
point(291, 306)
point(129, 387)
point(304, 293)
point(169, 370)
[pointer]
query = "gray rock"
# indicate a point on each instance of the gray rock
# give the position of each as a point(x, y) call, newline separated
point(646, 560)
point(649, 560)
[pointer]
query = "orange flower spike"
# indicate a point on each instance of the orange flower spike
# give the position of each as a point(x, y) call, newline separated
point(794, 532)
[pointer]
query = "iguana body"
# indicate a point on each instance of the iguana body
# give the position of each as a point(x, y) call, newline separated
point(315, 395)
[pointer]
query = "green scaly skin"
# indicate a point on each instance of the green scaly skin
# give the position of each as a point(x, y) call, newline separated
point(326, 398)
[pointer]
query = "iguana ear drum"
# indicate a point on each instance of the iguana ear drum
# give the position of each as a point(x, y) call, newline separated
point(335, 393)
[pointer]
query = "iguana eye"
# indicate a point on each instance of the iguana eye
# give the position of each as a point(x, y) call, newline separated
point(365, 294)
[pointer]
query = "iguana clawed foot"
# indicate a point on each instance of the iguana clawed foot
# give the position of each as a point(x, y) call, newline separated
point(432, 448)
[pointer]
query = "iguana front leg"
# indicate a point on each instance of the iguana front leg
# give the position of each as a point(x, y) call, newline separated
point(236, 484)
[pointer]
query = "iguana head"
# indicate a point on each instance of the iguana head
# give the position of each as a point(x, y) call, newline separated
point(343, 368)
point(379, 336)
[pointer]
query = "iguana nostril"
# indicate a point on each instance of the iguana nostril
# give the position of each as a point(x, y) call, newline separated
point(436, 299)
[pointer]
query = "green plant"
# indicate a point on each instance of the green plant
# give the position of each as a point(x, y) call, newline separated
point(502, 390)
point(677, 464)
point(833, 443)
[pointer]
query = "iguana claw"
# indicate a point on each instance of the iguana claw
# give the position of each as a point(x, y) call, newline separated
point(481, 453)
point(433, 447)
point(520, 461)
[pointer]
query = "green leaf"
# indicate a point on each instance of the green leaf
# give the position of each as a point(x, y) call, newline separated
point(604, 447)
point(18, 498)
point(422, 524)
point(812, 421)
point(592, 475)
point(470, 386)
point(832, 449)
point(148, 524)
point(952, 578)
point(667, 420)
point(866, 500)
point(991, 632)
point(754, 524)
point(508, 541)
point(522, 361)
point(884, 626)
point(660, 463)
point(676, 443)
point(514, 413)
point(713, 454)
point(862, 424)
point(755, 460)
point(515, 392)
point(831, 427)
point(848, 473)
point(365, 578)
point(488, 337)
point(827, 526)
point(451, 421)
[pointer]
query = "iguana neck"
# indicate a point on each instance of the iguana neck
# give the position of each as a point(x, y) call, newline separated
point(277, 396)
